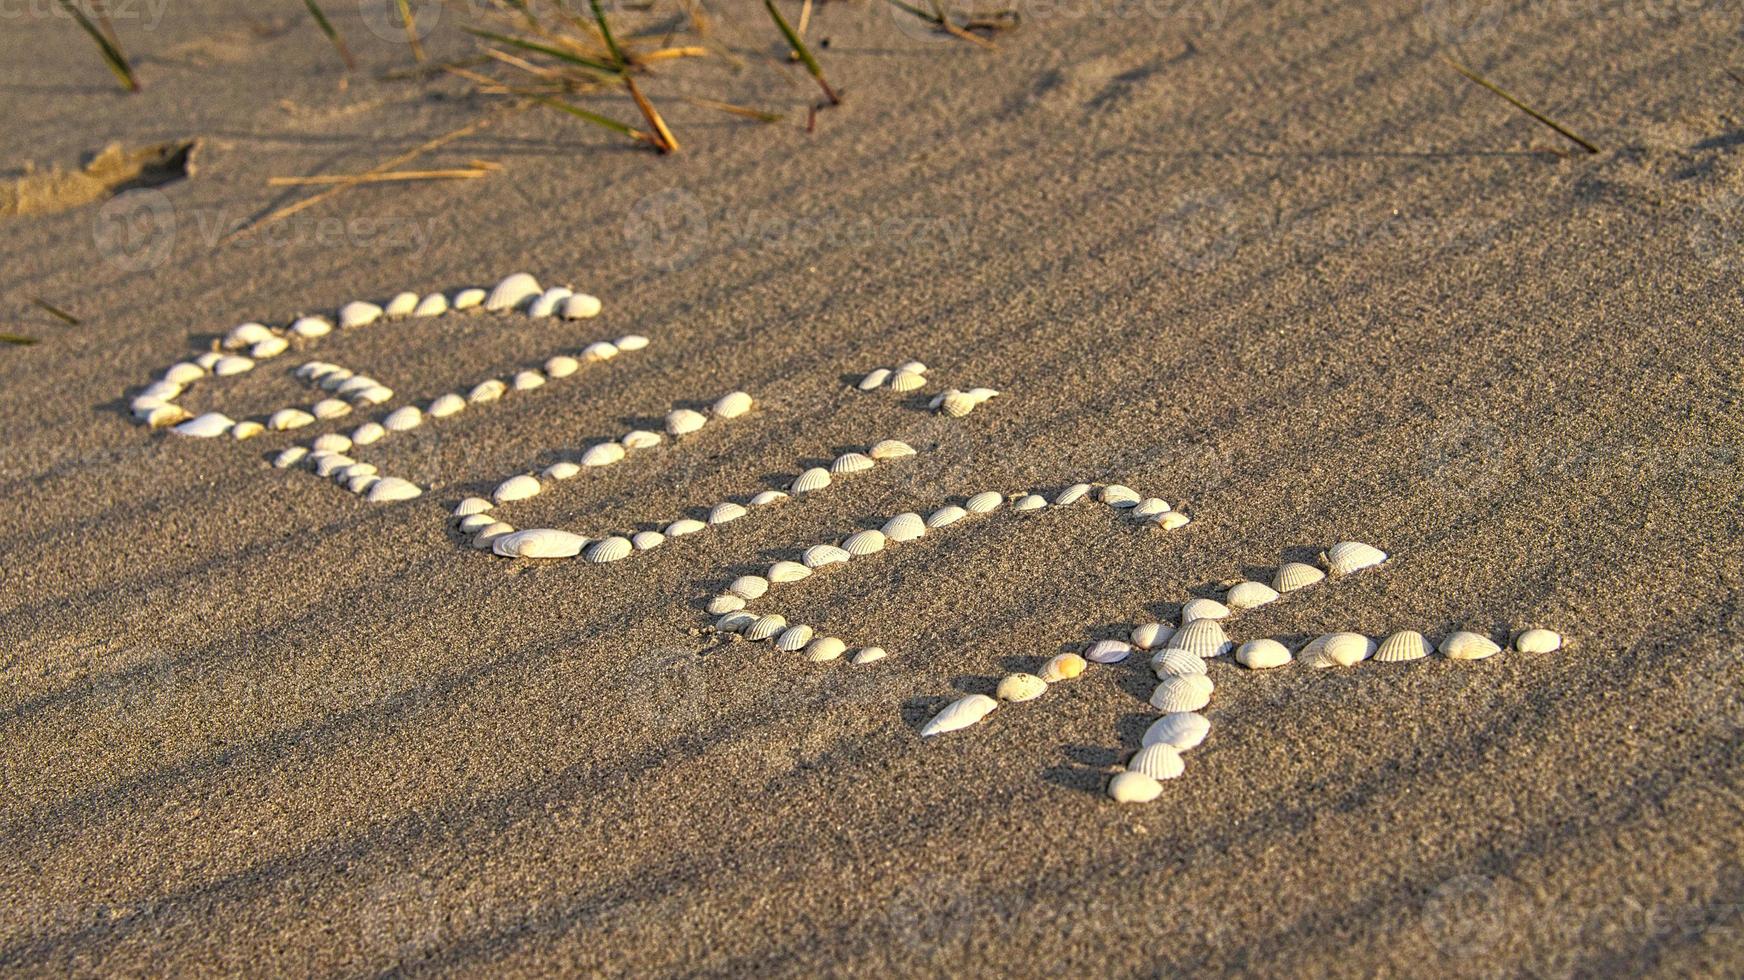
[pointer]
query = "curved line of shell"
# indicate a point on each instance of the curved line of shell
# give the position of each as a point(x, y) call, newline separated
point(911, 376)
point(485, 531)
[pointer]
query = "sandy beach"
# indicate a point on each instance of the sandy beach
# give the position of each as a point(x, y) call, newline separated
point(1278, 264)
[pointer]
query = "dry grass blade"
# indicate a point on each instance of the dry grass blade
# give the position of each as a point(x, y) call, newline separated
point(17, 339)
point(470, 173)
point(942, 22)
point(736, 110)
point(411, 24)
point(665, 141)
point(665, 54)
point(55, 311)
point(1523, 107)
point(327, 28)
point(547, 50)
point(804, 53)
point(112, 55)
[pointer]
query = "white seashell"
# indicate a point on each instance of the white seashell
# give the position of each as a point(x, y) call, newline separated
point(1072, 494)
point(984, 502)
point(766, 627)
point(877, 377)
point(904, 527)
point(1344, 649)
point(579, 306)
point(1108, 651)
point(539, 542)
point(488, 390)
point(466, 299)
point(647, 540)
point(851, 463)
point(208, 359)
point(683, 526)
point(957, 404)
point(471, 506)
point(310, 327)
point(1133, 787)
point(907, 381)
point(232, 365)
point(960, 714)
point(1119, 495)
point(473, 523)
point(358, 314)
point(602, 454)
point(356, 470)
point(289, 418)
point(434, 304)
point(723, 604)
point(205, 426)
point(487, 537)
point(547, 302)
point(270, 347)
point(1158, 761)
point(1346, 557)
point(246, 430)
point(685, 421)
point(869, 655)
point(825, 649)
point(726, 512)
point(561, 366)
point(610, 549)
point(1148, 635)
point(158, 392)
point(982, 394)
point(1262, 654)
point(183, 373)
point(599, 350)
point(290, 457)
point(1249, 595)
point(946, 515)
point(1175, 662)
point(735, 622)
point(443, 406)
point(368, 432)
point(403, 419)
point(1203, 609)
point(749, 586)
point(1029, 501)
point(793, 639)
point(328, 464)
point(1465, 645)
point(788, 571)
point(1064, 667)
point(890, 449)
point(246, 335)
point(1403, 646)
point(1020, 687)
point(375, 395)
point(1538, 641)
point(864, 543)
point(1174, 520)
point(158, 416)
point(764, 498)
point(1295, 575)
point(1188, 693)
point(1149, 507)
point(640, 439)
point(401, 305)
point(1180, 731)
point(527, 380)
point(392, 488)
point(1203, 638)
point(632, 342)
point(313, 370)
point(815, 478)
point(351, 385)
point(562, 470)
point(819, 555)
point(331, 408)
point(334, 379)
point(511, 292)
point(731, 406)
point(518, 487)
point(362, 483)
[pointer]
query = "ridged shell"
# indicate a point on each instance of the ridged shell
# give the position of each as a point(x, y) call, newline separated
point(539, 542)
point(874, 378)
point(764, 498)
point(749, 586)
point(561, 470)
point(600, 350)
point(233, 365)
point(362, 483)
point(471, 506)
point(1158, 761)
point(1064, 667)
point(1346, 649)
point(183, 373)
point(1180, 731)
point(516, 488)
point(290, 457)
point(726, 512)
point(367, 433)
point(1029, 501)
point(1188, 693)
point(788, 571)
point(488, 390)
point(1203, 638)
point(819, 555)
point(1119, 495)
point(914, 366)
point(903, 527)
point(1203, 609)
point(310, 327)
point(984, 502)
point(632, 342)
point(1262, 654)
point(907, 381)
point(403, 419)
point(959, 714)
point(647, 540)
point(205, 426)
point(794, 638)
point(330, 408)
point(1538, 641)
point(527, 380)
point(1402, 647)
point(684, 421)
point(891, 449)
point(209, 359)
point(473, 523)
point(547, 302)
point(1295, 575)
point(358, 314)
point(735, 622)
point(815, 478)
point(289, 418)
point(640, 439)
point(1149, 507)
point(329, 464)
point(401, 305)
point(246, 430)
point(1249, 595)
point(1174, 520)
point(246, 335)
point(158, 416)
point(580, 306)
point(434, 304)
point(602, 454)
point(825, 649)
point(270, 347)
point(392, 488)
point(731, 406)
point(1133, 787)
point(1072, 494)
point(1465, 645)
point(610, 549)
point(851, 463)
point(336, 378)
point(1147, 636)
point(1176, 663)
point(1346, 557)
point(486, 538)
point(946, 515)
point(722, 604)
point(561, 366)
point(683, 526)
point(1020, 687)
point(957, 404)
point(766, 627)
point(869, 655)
point(864, 543)
point(1108, 651)
point(511, 292)
point(375, 395)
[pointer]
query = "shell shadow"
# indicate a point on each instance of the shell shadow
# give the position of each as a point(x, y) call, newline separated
point(1082, 779)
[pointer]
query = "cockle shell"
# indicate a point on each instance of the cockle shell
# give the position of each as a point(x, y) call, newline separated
point(1020, 687)
point(246, 335)
point(983, 502)
point(914, 366)
point(1028, 502)
point(851, 463)
point(209, 359)
point(310, 327)
point(527, 380)
point(401, 305)
point(1346, 557)
point(959, 714)
point(270, 347)
point(518, 487)
point(890, 449)
point(367, 433)
point(442, 406)
point(1181, 731)
point(434, 304)
point(725, 512)
point(602, 454)
point(825, 649)
point(375, 395)
point(486, 538)
point(330, 408)
point(159, 391)
point(232, 365)
point(731, 406)
point(735, 622)
point(1203, 609)
point(1174, 520)
point(683, 526)
point(1203, 638)
point(1119, 495)
point(794, 638)
point(488, 390)
point(646, 540)
point(1403, 646)
point(580, 306)
point(766, 627)
point(1346, 649)
point(1175, 662)
point(561, 366)
point(547, 302)
point(632, 342)
point(1262, 654)
point(539, 542)
point(1157, 760)
point(684, 421)
point(562, 470)
point(815, 478)
point(473, 523)
point(876, 377)
point(1249, 595)
point(981, 394)
point(600, 350)
point(471, 506)
point(246, 430)
point(336, 378)
point(864, 543)
point(328, 464)
point(1295, 575)
point(362, 483)
point(1188, 693)
point(640, 439)
point(957, 404)
point(1465, 645)
point(788, 571)
point(403, 419)
point(764, 498)
point(1064, 667)
point(1149, 507)
point(904, 527)
point(158, 416)
point(183, 373)
point(205, 426)
point(1108, 651)
point(356, 470)
point(358, 314)
point(286, 419)
point(869, 655)
point(511, 292)
point(749, 586)
point(946, 515)
point(1072, 494)
point(392, 488)
point(1538, 641)
point(290, 457)
point(907, 381)
point(1133, 787)
point(610, 549)
point(1148, 635)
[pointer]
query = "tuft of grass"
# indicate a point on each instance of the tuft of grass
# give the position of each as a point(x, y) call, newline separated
point(110, 48)
point(1523, 107)
point(55, 311)
point(332, 33)
point(804, 53)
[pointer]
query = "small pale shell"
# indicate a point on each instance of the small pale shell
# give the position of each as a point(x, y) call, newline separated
point(473, 523)
point(527, 380)
point(1403, 646)
point(610, 549)
point(1174, 520)
point(1064, 667)
point(1346, 557)
point(1175, 663)
point(1188, 693)
point(158, 416)
point(579, 307)
point(683, 526)
point(562, 470)
point(367, 433)
point(749, 586)
point(328, 464)
point(1181, 731)
point(819, 555)
point(1538, 641)
point(1149, 507)
point(1465, 645)
point(1262, 654)
point(600, 350)
point(561, 366)
point(602, 454)
point(547, 302)
point(907, 381)
point(488, 390)
point(735, 622)
point(946, 515)
point(890, 449)
point(401, 305)
point(1296, 575)
point(1249, 595)
point(731, 406)
point(246, 430)
point(331, 408)
point(356, 470)
point(1029, 501)
point(286, 419)
point(957, 404)
point(904, 527)
point(1133, 787)
point(392, 488)
point(1203, 609)
point(1145, 636)
point(788, 571)
point(513, 291)
point(158, 392)
point(1203, 638)
point(632, 342)
point(209, 359)
point(290, 457)
point(205, 426)
point(336, 379)
point(1108, 651)
point(640, 439)
point(233, 365)
point(434, 304)
point(982, 394)
point(1020, 687)
point(815, 478)
point(684, 421)
point(959, 714)
point(1345, 649)
point(1119, 495)
point(486, 538)
point(825, 649)
point(764, 498)
point(725, 512)
point(647, 540)
point(375, 394)
point(1072, 494)
point(246, 335)
point(872, 380)
point(471, 506)
point(358, 314)
point(362, 483)
point(442, 406)
point(183, 373)
point(518, 487)
point(869, 655)
point(270, 347)
point(984, 502)
point(403, 419)
point(539, 542)
point(851, 463)
point(794, 638)
point(310, 327)
point(766, 627)
point(1157, 760)
point(864, 543)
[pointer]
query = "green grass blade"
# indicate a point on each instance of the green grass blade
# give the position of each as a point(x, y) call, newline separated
point(799, 48)
point(599, 14)
point(54, 311)
point(327, 28)
point(19, 339)
point(558, 53)
point(411, 30)
point(596, 119)
point(1523, 107)
point(111, 53)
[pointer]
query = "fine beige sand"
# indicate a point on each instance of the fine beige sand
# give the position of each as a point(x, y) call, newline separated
point(1276, 263)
